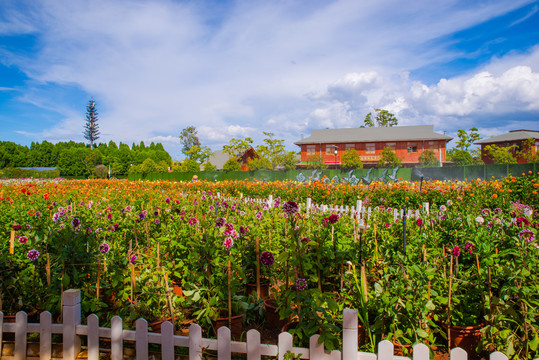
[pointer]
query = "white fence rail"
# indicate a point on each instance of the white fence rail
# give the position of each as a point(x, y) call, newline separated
point(72, 330)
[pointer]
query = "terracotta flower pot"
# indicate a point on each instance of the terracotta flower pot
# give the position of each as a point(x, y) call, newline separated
point(236, 326)
point(273, 321)
point(467, 337)
point(156, 326)
point(264, 290)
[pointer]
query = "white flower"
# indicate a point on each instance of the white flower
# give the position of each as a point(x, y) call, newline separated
point(479, 219)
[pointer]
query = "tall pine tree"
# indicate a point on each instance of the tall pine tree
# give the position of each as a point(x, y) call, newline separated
point(91, 128)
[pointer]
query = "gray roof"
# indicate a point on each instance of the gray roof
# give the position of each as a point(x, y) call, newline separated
point(511, 136)
point(219, 158)
point(395, 133)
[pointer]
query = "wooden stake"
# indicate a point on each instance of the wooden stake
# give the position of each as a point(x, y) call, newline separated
point(48, 270)
point(167, 292)
point(12, 242)
point(98, 277)
point(364, 283)
point(257, 244)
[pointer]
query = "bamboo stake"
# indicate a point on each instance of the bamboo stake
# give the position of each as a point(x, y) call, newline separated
point(364, 283)
point(167, 292)
point(257, 244)
point(449, 305)
point(12, 242)
point(48, 270)
point(98, 277)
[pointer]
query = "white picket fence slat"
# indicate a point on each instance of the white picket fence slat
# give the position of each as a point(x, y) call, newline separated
point(72, 330)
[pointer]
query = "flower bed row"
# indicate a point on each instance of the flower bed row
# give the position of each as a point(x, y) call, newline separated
point(472, 260)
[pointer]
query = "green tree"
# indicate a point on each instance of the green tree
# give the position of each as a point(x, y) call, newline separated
point(91, 128)
point(208, 166)
point(316, 161)
point(190, 165)
point(428, 159)
point(189, 139)
point(527, 152)
point(460, 154)
point(237, 147)
point(199, 153)
point(272, 150)
point(260, 163)
point(501, 154)
point(389, 158)
point(382, 118)
point(290, 159)
point(231, 165)
point(351, 160)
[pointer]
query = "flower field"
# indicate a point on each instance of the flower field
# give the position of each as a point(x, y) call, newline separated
point(468, 259)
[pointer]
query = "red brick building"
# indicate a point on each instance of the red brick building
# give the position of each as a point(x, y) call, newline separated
point(408, 142)
point(514, 137)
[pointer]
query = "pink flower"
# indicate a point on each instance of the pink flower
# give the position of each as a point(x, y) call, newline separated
point(23, 239)
point(228, 243)
point(193, 221)
point(133, 259)
point(456, 251)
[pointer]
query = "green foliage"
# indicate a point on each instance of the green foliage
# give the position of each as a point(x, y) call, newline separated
point(273, 150)
point(190, 165)
point(460, 154)
point(428, 159)
point(527, 151)
point(77, 159)
point(316, 161)
point(260, 163)
point(231, 165)
point(91, 128)
point(237, 147)
point(290, 160)
point(189, 139)
point(500, 154)
point(389, 158)
point(208, 166)
point(351, 160)
point(100, 171)
point(383, 118)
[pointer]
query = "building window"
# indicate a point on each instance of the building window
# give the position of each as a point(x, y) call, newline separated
point(412, 147)
point(392, 146)
point(350, 146)
point(311, 149)
point(330, 148)
point(370, 148)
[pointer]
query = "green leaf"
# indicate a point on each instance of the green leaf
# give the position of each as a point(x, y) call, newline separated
point(430, 305)
point(66, 280)
point(422, 333)
point(534, 343)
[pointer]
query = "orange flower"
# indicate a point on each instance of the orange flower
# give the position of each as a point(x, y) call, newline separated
point(494, 196)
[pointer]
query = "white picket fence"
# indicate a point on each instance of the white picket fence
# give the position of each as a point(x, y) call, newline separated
point(72, 330)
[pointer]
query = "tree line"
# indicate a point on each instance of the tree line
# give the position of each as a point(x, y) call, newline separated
point(79, 159)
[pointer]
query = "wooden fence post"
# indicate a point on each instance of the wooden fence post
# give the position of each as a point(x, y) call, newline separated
point(167, 341)
point(71, 317)
point(385, 350)
point(45, 335)
point(349, 334)
point(253, 345)
point(195, 342)
point(116, 338)
point(93, 337)
point(421, 352)
point(284, 344)
point(141, 337)
point(20, 335)
point(224, 351)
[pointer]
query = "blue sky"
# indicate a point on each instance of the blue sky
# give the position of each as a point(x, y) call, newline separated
point(238, 68)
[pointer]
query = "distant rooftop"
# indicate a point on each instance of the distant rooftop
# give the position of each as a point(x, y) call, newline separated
point(395, 133)
point(513, 135)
